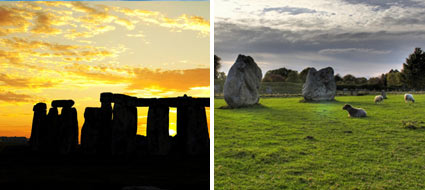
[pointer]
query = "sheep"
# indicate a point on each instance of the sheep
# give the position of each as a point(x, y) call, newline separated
point(378, 99)
point(354, 112)
point(409, 97)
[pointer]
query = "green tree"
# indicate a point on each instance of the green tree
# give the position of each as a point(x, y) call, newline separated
point(349, 79)
point(292, 77)
point(394, 79)
point(414, 70)
point(338, 78)
point(303, 74)
point(217, 65)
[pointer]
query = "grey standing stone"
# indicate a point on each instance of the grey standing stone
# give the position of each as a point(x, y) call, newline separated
point(106, 99)
point(384, 94)
point(158, 130)
point(319, 85)
point(242, 83)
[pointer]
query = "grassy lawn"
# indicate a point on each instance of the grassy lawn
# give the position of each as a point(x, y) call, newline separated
point(285, 144)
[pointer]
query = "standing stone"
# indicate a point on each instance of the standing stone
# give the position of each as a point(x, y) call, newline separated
point(242, 83)
point(158, 130)
point(124, 129)
point(384, 94)
point(53, 130)
point(38, 122)
point(106, 99)
point(192, 130)
point(68, 130)
point(91, 131)
point(319, 85)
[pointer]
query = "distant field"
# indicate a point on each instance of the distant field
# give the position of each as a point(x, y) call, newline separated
point(285, 144)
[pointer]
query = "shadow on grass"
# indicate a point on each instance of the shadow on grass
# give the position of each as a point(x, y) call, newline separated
point(320, 102)
point(255, 106)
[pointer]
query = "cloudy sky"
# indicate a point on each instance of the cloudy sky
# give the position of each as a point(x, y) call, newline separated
point(364, 38)
point(76, 50)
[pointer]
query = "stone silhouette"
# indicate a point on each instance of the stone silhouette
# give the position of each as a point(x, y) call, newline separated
point(108, 130)
point(124, 125)
point(68, 126)
point(53, 132)
point(91, 140)
point(242, 84)
point(38, 122)
point(157, 131)
point(319, 85)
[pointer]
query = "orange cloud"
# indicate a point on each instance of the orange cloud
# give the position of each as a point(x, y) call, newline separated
point(25, 82)
point(13, 97)
point(169, 79)
point(44, 24)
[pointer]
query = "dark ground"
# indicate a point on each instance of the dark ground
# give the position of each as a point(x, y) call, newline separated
point(23, 169)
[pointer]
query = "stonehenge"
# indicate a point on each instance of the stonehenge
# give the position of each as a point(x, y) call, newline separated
point(55, 133)
point(111, 129)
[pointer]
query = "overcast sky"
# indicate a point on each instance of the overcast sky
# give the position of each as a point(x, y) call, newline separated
point(364, 38)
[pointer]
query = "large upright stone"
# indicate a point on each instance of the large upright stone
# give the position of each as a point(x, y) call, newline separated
point(38, 122)
point(157, 130)
point(106, 99)
point(124, 129)
point(192, 130)
point(53, 130)
point(68, 130)
point(319, 85)
point(91, 131)
point(242, 83)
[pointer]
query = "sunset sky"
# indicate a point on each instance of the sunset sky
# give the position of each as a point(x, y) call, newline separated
point(76, 50)
point(360, 37)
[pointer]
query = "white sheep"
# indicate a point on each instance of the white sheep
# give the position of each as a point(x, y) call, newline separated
point(379, 98)
point(354, 112)
point(408, 97)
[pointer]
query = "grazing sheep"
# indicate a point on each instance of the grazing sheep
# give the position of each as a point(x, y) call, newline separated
point(354, 112)
point(408, 97)
point(378, 99)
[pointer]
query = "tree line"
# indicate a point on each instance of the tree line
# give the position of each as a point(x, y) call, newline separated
point(412, 76)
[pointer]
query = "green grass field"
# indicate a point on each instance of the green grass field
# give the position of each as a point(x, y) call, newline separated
point(285, 144)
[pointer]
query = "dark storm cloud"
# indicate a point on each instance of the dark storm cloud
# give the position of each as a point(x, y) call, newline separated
point(289, 10)
point(344, 50)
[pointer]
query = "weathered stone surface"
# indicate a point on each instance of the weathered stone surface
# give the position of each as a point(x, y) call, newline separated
point(157, 130)
point(38, 122)
point(62, 103)
point(124, 129)
point(319, 85)
point(68, 130)
point(192, 130)
point(242, 83)
point(91, 131)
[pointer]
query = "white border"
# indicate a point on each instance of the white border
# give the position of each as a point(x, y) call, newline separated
point(211, 94)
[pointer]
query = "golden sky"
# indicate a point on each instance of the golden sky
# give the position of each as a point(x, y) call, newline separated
point(76, 50)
